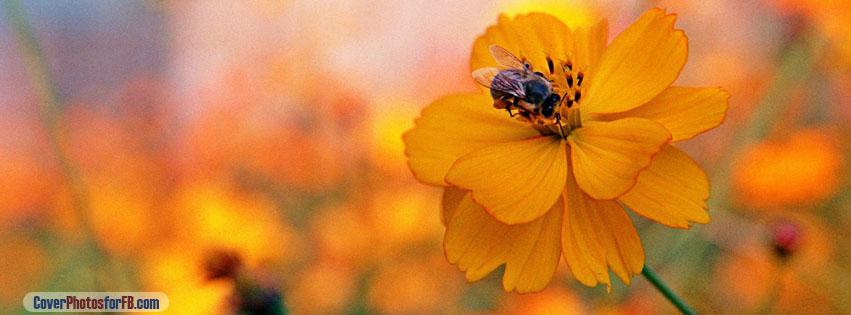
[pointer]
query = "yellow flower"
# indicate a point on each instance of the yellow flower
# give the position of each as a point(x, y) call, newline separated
point(518, 193)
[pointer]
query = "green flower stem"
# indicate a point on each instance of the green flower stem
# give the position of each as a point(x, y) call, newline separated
point(666, 291)
point(50, 104)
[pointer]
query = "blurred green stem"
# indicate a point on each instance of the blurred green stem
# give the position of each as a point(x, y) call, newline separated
point(666, 291)
point(50, 102)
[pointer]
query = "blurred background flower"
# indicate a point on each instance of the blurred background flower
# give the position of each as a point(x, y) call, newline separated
point(247, 156)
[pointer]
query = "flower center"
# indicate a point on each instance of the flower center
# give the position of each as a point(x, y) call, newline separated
point(567, 82)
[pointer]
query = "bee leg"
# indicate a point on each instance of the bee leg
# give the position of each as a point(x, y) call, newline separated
point(515, 103)
point(558, 121)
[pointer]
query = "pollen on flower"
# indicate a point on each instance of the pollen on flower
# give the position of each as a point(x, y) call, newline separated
point(571, 93)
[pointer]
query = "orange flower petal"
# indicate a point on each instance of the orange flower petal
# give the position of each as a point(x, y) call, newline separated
point(583, 250)
point(672, 191)
point(575, 258)
point(639, 64)
point(451, 199)
point(590, 45)
point(516, 181)
point(596, 234)
point(607, 156)
point(685, 111)
point(620, 227)
point(453, 126)
point(479, 244)
point(533, 36)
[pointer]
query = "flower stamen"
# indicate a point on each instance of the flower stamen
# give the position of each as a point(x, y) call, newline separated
point(550, 64)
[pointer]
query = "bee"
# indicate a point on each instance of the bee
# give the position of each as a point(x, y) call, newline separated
point(518, 86)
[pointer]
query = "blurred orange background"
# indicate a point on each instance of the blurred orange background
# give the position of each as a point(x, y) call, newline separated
point(199, 148)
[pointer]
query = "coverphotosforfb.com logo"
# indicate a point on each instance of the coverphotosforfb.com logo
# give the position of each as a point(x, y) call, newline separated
point(95, 302)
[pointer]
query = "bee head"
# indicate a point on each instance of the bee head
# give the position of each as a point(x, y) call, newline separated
point(548, 108)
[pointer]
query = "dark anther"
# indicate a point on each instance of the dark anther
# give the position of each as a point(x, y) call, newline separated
point(579, 78)
point(569, 103)
point(569, 66)
point(540, 74)
point(550, 64)
point(577, 96)
point(569, 81)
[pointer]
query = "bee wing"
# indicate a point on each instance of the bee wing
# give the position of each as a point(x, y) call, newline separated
point(505, 58)
point(510, 81)
point(485, 76)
